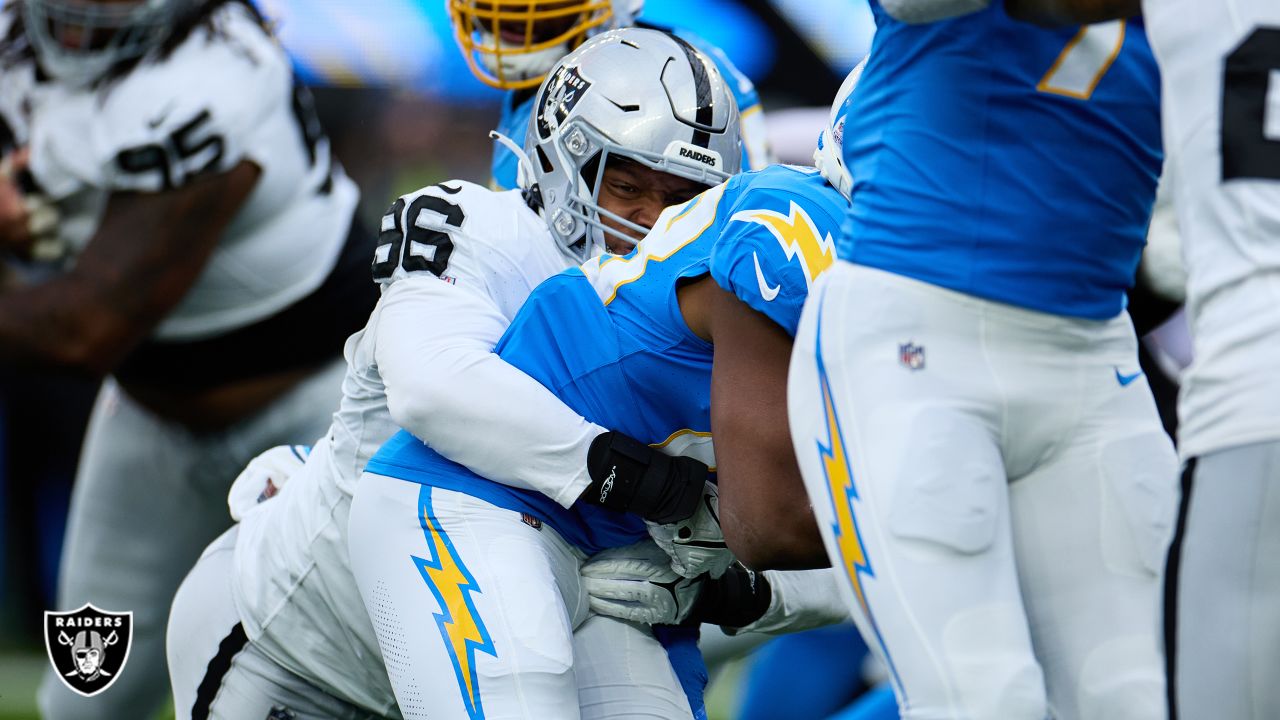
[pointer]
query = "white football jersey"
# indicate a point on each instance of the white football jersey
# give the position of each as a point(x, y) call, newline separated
point(168, 120)
point(1220, 64)
point(457, 261)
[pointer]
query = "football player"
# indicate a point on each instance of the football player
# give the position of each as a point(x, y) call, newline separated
point(984, 456)
point(1220, 66)
point(477, 586)
point(214, 269)
point(511, 44)
point(270, 617)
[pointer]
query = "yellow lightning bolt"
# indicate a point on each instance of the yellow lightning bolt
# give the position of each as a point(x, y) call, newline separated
point(840, 480)
point(798, 236)
point(461, 629)
point(835, 465)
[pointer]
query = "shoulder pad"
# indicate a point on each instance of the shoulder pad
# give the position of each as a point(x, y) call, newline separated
point(421, 230)
point(775, 244)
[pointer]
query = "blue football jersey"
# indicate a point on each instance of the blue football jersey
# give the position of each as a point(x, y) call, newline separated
point(609, 339)
point(518, 106)
point(1005, 160)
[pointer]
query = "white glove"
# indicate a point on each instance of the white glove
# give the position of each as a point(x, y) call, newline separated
point(696, 545)
point(47, 245)
point(42, 216)
point(636, 583)
point(263, 477)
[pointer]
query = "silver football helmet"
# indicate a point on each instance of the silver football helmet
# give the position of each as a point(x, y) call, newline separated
point(829, 156)
point(78, 41)
point(642, 95)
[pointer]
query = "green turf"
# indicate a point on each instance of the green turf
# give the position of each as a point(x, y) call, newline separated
point(20, 674)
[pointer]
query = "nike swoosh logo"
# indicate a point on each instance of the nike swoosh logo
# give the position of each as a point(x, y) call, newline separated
point(1124, 380)
point(159, 119)
point(768, 293)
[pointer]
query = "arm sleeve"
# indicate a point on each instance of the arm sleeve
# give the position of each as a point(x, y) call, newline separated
point(802, 600)
point(445, 385)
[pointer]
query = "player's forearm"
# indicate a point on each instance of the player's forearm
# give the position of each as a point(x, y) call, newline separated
point(444, 384)
point(148, 251)
point(764, 510)
point(1071, 12)
point(505, 426)
point(62, 324)
point(801, 600)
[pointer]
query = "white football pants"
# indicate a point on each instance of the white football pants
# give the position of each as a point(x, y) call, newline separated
point(149, 496)
point(997, 487)
point(216, 672)
point(1222, 613)
point(482, 614)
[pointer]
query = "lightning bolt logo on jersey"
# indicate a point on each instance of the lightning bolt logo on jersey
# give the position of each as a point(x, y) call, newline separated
point(1056, 224)
point(609, 339)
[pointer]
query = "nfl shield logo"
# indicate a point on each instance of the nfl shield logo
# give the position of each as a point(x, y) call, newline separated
point(88, 647)
point(911, 356)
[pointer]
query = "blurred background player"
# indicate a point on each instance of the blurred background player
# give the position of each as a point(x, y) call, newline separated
point(1220, 66)
point(983, 453)
point(214, 269)
point(639, 344)
point(456, 260)
point(511, 44)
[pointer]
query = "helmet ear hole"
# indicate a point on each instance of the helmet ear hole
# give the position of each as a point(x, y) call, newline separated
point(543, 160)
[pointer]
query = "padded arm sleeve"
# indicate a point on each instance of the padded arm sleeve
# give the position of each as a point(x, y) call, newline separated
point(446, 386)
point(802, 600)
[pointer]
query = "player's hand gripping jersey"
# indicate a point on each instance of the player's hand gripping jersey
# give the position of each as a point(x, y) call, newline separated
point(609, 339)
point(1024, 162)
point(457, 260)
point(517, 108)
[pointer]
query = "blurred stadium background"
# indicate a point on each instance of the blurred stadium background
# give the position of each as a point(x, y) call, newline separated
point(403, 111)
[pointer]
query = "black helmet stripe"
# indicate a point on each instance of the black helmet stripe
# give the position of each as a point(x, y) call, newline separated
point(702, 85)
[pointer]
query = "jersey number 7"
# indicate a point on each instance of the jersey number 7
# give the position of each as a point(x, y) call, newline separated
point(1086, 58)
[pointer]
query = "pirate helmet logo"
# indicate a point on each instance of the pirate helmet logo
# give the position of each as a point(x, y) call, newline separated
point(88, 647)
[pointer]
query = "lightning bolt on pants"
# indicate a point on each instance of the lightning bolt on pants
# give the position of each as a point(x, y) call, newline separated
point(480, 615)
point(998, 503)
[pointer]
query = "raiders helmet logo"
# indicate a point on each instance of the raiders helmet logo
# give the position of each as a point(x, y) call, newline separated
point(560, 95)
point(88, 647)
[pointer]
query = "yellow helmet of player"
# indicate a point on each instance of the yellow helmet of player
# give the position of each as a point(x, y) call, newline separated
point(512, 44)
